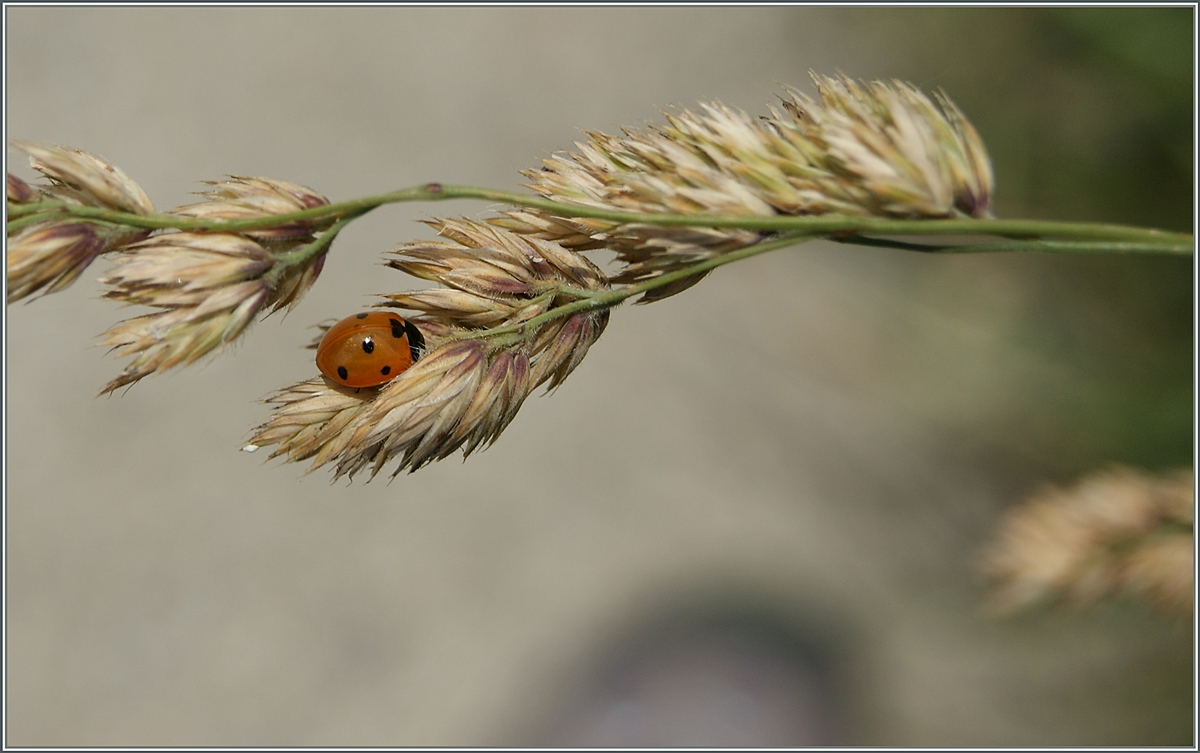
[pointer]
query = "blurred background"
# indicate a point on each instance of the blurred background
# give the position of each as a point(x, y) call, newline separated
point(749, 517)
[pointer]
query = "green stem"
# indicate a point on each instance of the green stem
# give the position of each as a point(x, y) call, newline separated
point(17, 225)
point(306, 253)
point(822, 224)
point(597, 300)
point(1047, 246)
point(1165, 242)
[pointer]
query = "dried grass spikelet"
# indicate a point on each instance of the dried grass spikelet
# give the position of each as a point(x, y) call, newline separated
point(20, 192)
point(887, 149)
point(78, 177)
point(881, 149)
point(647, 171)
point(465, 390)
point(1117, 531)
point(50, 255)
point(244, 198)
point(492, 275)
point(207, 287)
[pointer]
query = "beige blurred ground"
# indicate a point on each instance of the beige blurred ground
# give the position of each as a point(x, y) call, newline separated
point(793, 438)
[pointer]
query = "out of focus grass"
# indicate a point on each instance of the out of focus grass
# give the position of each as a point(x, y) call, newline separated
point(1087, 113)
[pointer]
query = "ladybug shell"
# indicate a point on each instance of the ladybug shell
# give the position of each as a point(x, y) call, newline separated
point(366, 350)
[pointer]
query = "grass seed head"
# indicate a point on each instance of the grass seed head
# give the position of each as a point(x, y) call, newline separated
point(208, 288)
point(415, 415)
point(82, 178)
point(244, 198)
point(493, 276)
point(878, 149)
point(1115, 531)
point(49, 256)
point(561, 347)
point(887, 148)
point(20, 192)
point(310, 421)
point(1161, 571)
point(467, 387)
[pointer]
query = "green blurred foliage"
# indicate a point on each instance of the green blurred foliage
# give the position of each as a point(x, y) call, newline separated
point(1087, 114)
point(1124, 325)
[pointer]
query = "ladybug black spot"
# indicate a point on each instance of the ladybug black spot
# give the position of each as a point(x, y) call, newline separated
point(361, 316)
point(368, 345)
point(343, 373)
point(416, 341)
point(386, 370)
point(397, 328)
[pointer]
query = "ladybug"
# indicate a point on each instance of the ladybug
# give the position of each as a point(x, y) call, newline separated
point(366, 350)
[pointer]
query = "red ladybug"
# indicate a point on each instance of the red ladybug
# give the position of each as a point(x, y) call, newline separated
point(366, 350)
